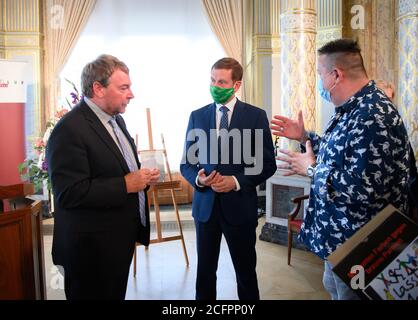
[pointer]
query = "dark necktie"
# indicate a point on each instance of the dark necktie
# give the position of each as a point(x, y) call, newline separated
point(224, 119)
point(222, 125)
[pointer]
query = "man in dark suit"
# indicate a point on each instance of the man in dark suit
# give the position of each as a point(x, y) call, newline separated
point(225, 175)
point(99, 186)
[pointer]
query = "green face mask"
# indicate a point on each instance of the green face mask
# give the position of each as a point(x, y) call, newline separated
point(221, 95)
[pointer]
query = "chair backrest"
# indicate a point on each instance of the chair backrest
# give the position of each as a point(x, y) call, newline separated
point(14, 196)
point(298, 201)
point(16, 190)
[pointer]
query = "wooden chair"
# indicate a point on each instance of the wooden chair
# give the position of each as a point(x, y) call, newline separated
point(22, 269)
point(294, 224)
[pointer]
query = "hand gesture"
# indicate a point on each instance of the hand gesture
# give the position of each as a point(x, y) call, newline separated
point(138, 180)
point(291, 129)
point(207, 181)
point(155, 176)
point(297, 163)
point(225, 185)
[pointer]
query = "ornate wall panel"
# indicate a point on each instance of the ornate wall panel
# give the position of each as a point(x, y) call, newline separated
point(329, 28)
point(378, 39)
point(408, 68)
point(265, 54)
point(384, 60)
point(298, 60)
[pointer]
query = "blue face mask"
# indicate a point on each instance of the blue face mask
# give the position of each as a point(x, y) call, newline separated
point(325, 94)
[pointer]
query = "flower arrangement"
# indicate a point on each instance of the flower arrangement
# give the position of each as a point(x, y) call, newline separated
point(35, 169)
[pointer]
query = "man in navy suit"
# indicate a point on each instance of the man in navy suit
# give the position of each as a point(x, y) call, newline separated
point(228, 153)
point(99, 186)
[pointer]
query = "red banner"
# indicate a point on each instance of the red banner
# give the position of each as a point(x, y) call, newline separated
point(12, 119)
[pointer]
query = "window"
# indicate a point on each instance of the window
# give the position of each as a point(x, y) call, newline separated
point(169, 48)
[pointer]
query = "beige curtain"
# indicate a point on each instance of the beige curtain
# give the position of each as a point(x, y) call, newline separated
point(225, 18)
point(63, 22)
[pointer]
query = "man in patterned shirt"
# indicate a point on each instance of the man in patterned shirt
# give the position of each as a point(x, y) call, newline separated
point(358, 167)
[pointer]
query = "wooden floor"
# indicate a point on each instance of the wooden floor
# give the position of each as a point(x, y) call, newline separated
point(162, 273)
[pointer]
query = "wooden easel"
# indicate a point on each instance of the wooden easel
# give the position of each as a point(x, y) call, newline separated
point(153, 190)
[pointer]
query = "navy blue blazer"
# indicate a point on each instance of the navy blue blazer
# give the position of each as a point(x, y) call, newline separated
point(238, 206)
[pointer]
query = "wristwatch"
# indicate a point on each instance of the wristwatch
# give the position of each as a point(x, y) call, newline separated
point(311, 170)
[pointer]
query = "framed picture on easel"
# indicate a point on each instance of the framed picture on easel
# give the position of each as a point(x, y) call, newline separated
point(153, 159)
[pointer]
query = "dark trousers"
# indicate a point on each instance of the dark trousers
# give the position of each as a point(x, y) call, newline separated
point(92, 286)
point(241, 243)
point(97, 270)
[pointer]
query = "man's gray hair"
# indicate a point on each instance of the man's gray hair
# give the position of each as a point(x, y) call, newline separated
point(100, 70)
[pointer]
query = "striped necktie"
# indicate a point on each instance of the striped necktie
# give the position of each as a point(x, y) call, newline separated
point(131, 165)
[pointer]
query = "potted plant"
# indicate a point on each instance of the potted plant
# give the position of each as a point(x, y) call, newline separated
point(34, 169)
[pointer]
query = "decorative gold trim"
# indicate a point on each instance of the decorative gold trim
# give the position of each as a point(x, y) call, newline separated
point(23, 40)
point(21, 15)
point(330, 28)
point(286, 5)
point(329, 12)
point(296, 22)
point(266, 43)
point(408, 16)
point(299, 32)
point(301, 11)
point(3, 15)
point(275, 17)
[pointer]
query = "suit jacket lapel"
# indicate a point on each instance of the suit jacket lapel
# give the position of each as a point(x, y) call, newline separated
point(211, 115)
point(237, 116)
point(103, 134)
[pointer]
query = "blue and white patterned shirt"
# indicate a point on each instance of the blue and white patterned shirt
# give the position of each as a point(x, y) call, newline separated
point(362, 166)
